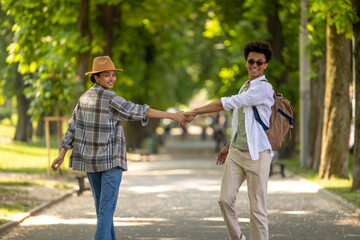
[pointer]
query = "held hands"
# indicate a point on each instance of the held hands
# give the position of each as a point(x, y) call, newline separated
point(179, 117)
point(189, 116)
point(183, 118)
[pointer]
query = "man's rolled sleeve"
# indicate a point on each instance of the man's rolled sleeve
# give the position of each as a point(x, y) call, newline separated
point(225, 103)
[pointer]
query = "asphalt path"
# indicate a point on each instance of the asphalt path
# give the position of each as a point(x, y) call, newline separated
point(174, 195)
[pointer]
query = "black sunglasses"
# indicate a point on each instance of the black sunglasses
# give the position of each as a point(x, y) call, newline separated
point(258, 63)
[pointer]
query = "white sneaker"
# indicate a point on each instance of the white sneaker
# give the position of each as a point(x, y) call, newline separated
point(243, 237)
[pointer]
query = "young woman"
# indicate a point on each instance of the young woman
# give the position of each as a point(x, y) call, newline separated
point(96, 135)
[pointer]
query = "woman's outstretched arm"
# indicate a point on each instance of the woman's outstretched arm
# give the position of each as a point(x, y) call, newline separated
point(153, 113)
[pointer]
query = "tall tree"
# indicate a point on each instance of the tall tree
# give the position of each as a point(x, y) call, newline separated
point(336, 128)
point(84, 33)
point(24, 127)
point(356, 164)
point(154, 42)
point(317, 87)
point(340, 17)
point(11, 80)
point(317, 48)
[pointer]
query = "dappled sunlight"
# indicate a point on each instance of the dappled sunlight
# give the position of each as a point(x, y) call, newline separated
point(346, 221)
point(8, 216)
point(220, 219)
point(136, 157)
point(161, 195)
point(292, 186)
point(118, 222)
point(203, 187)
point(53, 220)
point(143, 172)
point(152, 189)
point(132, 219)
point(193, 184)
point(297, 212)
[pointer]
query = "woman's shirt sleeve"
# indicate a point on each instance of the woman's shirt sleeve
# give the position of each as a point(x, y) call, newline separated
point(128, 111)
point(68, 138)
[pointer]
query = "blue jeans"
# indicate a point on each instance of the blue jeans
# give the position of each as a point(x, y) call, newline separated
point(105, 188)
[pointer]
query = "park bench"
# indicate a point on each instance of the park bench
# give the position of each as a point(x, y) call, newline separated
point(276, 162)
point(81, 183)
point(280, 164)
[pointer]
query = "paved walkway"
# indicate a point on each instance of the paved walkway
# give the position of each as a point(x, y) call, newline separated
point(175, 197)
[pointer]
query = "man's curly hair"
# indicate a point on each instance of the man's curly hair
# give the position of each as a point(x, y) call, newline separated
point(259, 47)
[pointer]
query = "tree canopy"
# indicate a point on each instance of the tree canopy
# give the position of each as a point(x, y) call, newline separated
point(169, 49)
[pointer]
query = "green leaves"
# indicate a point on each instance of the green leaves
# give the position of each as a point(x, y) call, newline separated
point(169, 49)
point(338, 12)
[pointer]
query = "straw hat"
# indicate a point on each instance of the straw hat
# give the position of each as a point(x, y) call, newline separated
point(101, 64)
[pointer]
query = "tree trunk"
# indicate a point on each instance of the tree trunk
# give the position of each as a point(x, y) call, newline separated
point(335, 152)
point(274, 26)
point(356, 164)
point(134, 134)
point(108, 21)
point(40, 128)
point(84, 32)
point(317, 89)
point(320, 86)
point(24, 129)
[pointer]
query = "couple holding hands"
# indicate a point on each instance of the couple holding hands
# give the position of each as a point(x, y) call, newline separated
point(95, 133)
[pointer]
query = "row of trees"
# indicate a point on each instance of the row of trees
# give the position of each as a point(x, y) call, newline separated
point(170, 49)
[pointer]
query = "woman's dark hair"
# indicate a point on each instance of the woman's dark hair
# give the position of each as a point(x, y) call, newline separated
point(259, 47)
point(92, 78)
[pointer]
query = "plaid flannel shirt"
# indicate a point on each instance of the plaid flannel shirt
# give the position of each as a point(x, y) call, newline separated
point(95, 131)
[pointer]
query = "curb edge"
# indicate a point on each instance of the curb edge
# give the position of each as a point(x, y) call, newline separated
point(332, 196)
point(32, 212)
point(340, 200)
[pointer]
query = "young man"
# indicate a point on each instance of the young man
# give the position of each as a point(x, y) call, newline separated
point(247, 156)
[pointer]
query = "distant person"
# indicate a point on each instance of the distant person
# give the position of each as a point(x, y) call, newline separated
point(247, 156)
point(219, 138)
point(96, 135)
point(167, 131)
point(184, 132)
point(219, 134)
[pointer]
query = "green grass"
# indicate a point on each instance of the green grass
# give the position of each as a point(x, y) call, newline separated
point(29, 158)
point(14, 200)
point(7, 129)
point(25, 157)
point(338, 186)
point(17, 201)
point(11, 191)
point(15, 207)
point(7, 182)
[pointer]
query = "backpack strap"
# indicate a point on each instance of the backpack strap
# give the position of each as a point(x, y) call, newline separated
point(256, 113)
point(287, 116)
point(258, 119)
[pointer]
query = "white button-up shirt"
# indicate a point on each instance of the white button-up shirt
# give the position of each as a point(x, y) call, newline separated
point(260, 94)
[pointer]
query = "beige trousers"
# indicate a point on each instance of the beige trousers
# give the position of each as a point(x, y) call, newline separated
point(238, 168)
